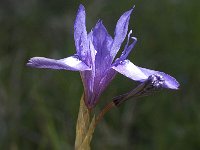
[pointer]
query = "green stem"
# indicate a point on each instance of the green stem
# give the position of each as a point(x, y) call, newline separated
point(84, 127)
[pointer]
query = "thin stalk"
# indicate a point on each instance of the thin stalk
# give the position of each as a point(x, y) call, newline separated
point(144, 89)
point(103, 112)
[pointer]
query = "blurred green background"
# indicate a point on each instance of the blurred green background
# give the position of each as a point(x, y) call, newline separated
point(38, 108)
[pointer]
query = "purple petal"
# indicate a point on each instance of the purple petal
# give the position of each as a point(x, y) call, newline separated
point(69, 63)
point(129, 70)
point(80, 35)
point(136, 73)
point(128, 47)
point(104, 82)
point(170, 82)
point(102, 42)
point(120, 32)
point(101, 38)
point(88, 77)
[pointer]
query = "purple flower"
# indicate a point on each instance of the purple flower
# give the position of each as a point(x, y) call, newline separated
point(95, 57)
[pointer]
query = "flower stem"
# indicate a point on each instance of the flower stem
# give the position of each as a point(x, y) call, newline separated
point(83, 136)
point(103, 112)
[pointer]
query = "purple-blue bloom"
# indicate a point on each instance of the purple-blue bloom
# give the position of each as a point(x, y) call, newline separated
point(95, 57)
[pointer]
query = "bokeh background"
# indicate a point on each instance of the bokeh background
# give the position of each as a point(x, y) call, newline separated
point(38, 108)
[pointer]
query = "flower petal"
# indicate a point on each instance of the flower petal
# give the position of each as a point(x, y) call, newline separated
point(102, 42)
point(120, 32)
point(80, 34)
point(101, 38)
point(69, 63)
point(170, 82)
point(88, 77)
point(128, 69)
point(136, 73)
point(128, 47)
